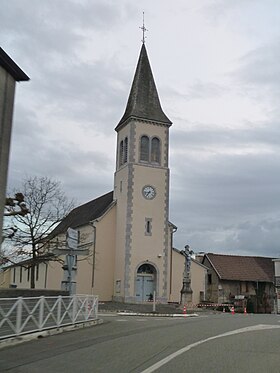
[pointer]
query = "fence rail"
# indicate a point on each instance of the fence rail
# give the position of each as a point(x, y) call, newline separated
point(25, 315)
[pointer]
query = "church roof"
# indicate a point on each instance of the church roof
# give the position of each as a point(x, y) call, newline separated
point(242, 268)
point(143, 101)
point(83, 214)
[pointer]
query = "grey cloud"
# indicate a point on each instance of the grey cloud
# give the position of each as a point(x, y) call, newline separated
point(260, 68)
point(83, 172)
point(198, 90)
point(217, 10)
point(91, 93)
point(208, 137)
point(262, 237)
point(46, 34)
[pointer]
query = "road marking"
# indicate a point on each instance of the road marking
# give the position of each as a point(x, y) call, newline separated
point(189, 347)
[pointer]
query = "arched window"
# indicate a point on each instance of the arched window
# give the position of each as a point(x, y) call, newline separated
point(121, 154)
point(155, 150)
point(144, 149)
point(125, 150)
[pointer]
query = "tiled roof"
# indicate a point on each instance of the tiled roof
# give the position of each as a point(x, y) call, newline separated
point(143, 101)
point(242, 268)
point(83, 214)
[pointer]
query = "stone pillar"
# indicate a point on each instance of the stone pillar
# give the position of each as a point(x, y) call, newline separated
point(186, 292)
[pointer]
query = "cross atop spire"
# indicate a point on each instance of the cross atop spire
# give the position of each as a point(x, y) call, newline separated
point(143, 28)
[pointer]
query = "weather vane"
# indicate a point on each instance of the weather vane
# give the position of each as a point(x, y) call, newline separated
point(143, 28)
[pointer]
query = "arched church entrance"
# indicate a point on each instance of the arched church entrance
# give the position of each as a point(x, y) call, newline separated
point(145, 282)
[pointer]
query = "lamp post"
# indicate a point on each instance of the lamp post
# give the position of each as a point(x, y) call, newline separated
point(186, 292)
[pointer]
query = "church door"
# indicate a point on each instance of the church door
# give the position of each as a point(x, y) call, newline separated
point(145, 282)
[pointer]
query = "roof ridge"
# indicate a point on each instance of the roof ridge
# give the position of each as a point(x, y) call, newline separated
point(241, 256)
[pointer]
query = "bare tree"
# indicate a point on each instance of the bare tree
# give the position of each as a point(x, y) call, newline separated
point(47, 205)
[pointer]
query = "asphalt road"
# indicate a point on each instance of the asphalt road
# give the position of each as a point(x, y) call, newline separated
point(209, 343)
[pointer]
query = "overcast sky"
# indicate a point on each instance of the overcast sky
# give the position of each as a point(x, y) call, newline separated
point(216, 66)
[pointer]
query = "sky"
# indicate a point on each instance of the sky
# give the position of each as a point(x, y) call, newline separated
point(216, 67)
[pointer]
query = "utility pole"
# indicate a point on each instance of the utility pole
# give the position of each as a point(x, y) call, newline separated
point(10, 73)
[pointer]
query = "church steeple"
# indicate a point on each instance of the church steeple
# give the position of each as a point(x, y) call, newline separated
point(143, 101)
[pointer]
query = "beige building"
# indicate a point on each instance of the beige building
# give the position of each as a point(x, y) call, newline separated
point(127, 232)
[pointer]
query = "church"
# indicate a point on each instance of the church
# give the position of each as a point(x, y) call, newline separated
point(125, 235)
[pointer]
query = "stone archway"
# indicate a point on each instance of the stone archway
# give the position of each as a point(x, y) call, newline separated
point(145, 282)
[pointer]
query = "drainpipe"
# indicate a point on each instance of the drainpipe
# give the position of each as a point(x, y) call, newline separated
point(92, 223)
point(174, 230)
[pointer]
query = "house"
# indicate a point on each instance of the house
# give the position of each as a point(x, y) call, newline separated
point(125, 234)
point(239, 279)
point(277, 284)
point(18, 276)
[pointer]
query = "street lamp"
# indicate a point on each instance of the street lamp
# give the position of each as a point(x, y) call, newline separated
point(186, 292)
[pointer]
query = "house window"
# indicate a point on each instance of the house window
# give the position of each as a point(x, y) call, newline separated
point(144, 149)
point(123, 154)
point(20, 274)
point(209, 277)
point(28, 274)
point(14, 275)
point(148, 227)
point(155, 150)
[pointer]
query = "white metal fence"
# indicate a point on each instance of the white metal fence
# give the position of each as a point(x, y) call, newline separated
point(25, 315)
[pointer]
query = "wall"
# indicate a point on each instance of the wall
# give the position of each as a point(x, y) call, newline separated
point(212, 283)
point(95, 273)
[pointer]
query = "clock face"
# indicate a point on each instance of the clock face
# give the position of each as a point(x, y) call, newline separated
point(149, 192)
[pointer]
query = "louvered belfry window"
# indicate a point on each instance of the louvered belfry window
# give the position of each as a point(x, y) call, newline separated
point(150, 149)
point(121, 154)
point(144, 149)
point(155, 150)
point(125, 150)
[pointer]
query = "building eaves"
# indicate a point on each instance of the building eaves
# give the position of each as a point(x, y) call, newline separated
point(11, 67)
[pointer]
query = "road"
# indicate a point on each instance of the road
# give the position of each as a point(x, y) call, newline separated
point(209, 343)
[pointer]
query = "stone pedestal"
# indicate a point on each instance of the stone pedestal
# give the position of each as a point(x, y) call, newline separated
point(186, 294)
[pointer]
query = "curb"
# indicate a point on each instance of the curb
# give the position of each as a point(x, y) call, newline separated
point(157, 314)
point(46, 333)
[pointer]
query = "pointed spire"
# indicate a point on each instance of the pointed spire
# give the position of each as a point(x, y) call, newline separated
point(143, 101)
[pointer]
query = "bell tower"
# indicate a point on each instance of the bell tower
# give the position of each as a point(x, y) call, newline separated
point(141, 189)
